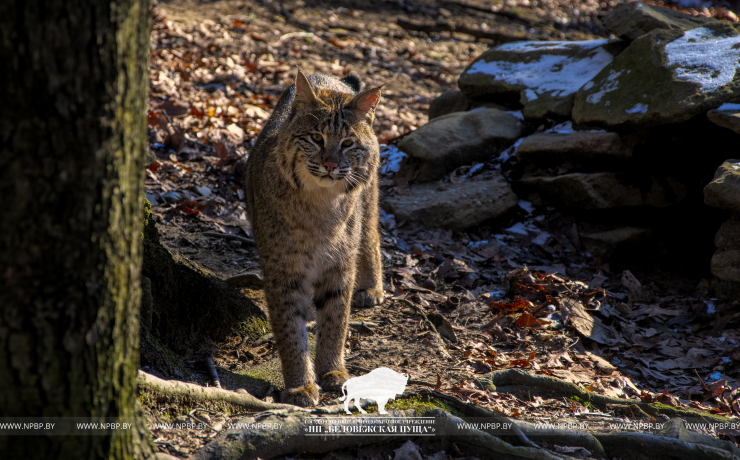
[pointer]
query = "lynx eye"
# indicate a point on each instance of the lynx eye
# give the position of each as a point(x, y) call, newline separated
point(347, 143)
point(317, 137)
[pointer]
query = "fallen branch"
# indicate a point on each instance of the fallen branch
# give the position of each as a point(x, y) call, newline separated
point(226, 236)
point(449, 27)
point(489, 10)
point(173, 389)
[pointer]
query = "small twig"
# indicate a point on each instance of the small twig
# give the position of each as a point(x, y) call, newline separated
point(209, 147)
point(243, 342)
point(363, 369)
point(230, 237)
point(201, 420)
point(170, 121)
point(352, 357)
point(421, 312)
point(702, 382)
point(212, 371)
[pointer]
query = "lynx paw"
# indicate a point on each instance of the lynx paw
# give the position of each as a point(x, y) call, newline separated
point(367, 298)
point(307, 396)
point(333, 381)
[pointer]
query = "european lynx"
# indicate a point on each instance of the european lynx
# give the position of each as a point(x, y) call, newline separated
point(312, 197)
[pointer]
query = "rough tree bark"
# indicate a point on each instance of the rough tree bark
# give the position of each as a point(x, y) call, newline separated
point(73, 86)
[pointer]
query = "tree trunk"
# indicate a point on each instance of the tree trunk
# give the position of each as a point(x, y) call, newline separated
point(73, 88)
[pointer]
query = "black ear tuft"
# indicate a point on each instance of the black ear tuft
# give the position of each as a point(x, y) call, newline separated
point(353, 81)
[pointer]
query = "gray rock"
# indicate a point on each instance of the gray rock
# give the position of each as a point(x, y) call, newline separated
point(635, 19)
point(544, 75)
point(443, 326)
point(724, 190)
point(579, 147)
point(455, 101)
point(728, 236)
point(675, 428)
point(607, 242)
point(456, 206)
point(606, 190)
point(448, 102)
point(663, 77)
point(458, 139)
point(726, 118)
point(725, 264)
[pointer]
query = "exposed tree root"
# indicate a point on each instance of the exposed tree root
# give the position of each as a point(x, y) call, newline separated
point(195, 393)
point(513, 380)
point(628, 445)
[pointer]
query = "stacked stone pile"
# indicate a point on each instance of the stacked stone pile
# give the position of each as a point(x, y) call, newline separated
point(724, 193)
point(624, 134)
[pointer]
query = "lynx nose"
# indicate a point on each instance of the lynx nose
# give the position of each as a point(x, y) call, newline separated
point(330, 166)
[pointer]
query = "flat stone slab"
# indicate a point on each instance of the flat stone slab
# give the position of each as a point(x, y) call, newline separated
point(606, 190)
point(726, 116)
point(579, 147)
point(724, 190)
point(632, 20)
point(665, 76)
point(458, 139)
point(545, 75)
point(456, 206)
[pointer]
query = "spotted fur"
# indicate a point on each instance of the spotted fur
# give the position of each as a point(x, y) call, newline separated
point(312, 197)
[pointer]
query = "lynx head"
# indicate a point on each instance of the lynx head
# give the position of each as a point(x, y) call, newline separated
point(328, 140)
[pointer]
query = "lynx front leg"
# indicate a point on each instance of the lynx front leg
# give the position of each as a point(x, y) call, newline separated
point(369, 287)
point(332, 298)
point(288, 302)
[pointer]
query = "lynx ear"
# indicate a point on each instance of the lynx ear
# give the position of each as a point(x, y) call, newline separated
point(304, 95)
point(366, 101)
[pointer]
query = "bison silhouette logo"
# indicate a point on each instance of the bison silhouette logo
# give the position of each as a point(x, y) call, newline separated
point(380, 385)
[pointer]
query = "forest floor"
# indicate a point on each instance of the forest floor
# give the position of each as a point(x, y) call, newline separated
point(499, 294)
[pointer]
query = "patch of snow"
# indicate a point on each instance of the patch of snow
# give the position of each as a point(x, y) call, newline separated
point(725, 359)
point(477, 109)
point(556, 74)
point(710, 308)
point(474, 170)
point(517, 228)
point(541, 238)
point(477, 244)
point(517, 114)
point(704, 58)
point(527, 206)
point(498, 293)
point(638, 108)
point(554, 45)
point(563, 128)
point(715, 376)
point(391, 159)
point(729, 107)
point(510, 152)
point(609, 85)
point(588, 85)
point(531, 95)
